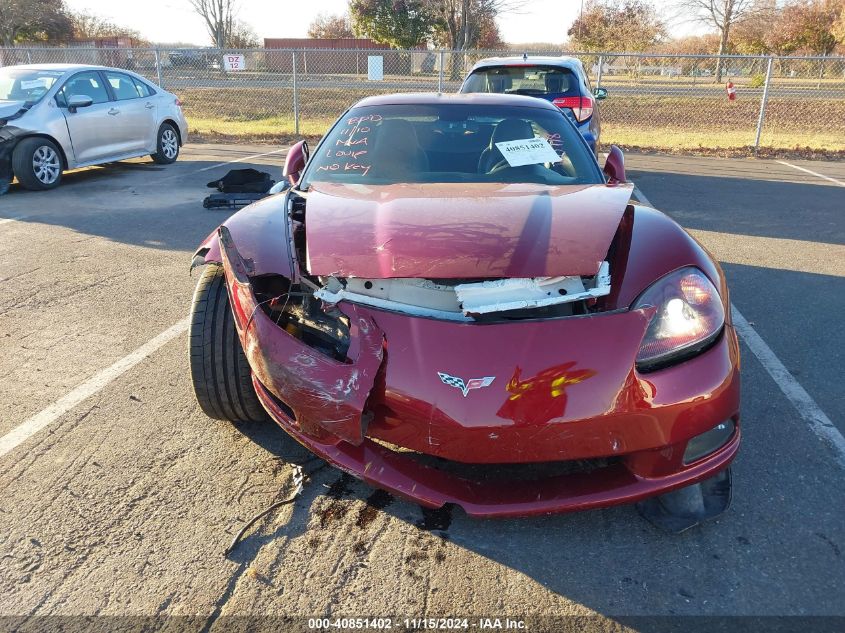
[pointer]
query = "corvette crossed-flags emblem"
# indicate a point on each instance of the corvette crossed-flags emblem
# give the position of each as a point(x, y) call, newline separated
point(474, 383)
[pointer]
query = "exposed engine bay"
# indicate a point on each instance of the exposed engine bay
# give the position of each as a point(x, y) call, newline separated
point(305, 306)
point(466, 300)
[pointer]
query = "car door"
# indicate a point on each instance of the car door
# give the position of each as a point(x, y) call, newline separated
point(91, 129)
point(136, 115)
point(154, 104)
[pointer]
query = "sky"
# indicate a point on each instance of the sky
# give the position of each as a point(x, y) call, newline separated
point(170, 21)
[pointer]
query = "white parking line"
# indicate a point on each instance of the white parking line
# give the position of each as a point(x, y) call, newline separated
point(44, 418)
point(814, 173)
point(240, 160)
point(807, 408)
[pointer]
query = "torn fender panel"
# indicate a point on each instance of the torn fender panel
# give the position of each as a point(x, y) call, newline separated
point(461, 230)
point(262, 233)
point(658, 245)
point(327, 396)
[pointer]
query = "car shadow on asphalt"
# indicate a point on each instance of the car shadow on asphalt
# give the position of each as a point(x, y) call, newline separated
point(810, 211)
point(135, 203)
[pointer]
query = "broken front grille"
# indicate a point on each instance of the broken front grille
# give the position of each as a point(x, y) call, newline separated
point(502, 472)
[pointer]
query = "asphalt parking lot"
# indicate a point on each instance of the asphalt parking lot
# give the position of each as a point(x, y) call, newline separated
point(125, 499)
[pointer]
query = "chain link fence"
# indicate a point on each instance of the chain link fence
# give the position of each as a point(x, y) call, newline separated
point(654, 101)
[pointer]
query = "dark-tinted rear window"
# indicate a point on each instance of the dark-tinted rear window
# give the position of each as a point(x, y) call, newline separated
point(534, 81)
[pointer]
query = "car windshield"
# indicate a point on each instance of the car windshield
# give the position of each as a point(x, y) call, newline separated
point(26, 84)
point(452, 143)
point(522, 80)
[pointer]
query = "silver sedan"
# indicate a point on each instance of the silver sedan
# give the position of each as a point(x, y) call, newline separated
point(55, 117)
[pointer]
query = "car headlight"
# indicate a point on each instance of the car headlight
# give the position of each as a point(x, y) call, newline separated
point(688, 317)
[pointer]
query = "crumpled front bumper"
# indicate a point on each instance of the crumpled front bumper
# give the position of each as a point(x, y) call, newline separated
point(431, 487)
point(418, 432)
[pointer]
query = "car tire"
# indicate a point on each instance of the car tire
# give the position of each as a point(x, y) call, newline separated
point(220, 373)
point(167, 145)
point(37, 163)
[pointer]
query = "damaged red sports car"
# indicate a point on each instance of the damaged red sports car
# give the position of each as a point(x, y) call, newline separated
point(453, 302)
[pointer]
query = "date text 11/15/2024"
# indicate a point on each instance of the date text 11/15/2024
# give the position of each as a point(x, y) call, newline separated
point(415, 624)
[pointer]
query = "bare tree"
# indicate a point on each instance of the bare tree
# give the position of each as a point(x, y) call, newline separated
point(460, 25)
point(460, 22)
point(242, 35)
point(723, 15)
point(219, 17)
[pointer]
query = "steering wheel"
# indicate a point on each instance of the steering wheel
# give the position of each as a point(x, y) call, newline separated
point(502, 164)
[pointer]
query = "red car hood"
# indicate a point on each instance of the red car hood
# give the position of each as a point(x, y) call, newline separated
point(456, 230)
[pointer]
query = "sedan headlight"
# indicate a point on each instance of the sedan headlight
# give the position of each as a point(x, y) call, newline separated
point(688, 318)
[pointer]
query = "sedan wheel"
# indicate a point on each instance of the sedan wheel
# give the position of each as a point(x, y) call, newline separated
point(37, 163)
point(168, 145)
point(46, 165)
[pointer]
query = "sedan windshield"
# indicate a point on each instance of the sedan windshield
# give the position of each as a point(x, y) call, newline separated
point(26, 84)
point(452, 143)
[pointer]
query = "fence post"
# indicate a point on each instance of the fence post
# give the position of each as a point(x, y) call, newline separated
point(28, 56)
point(763, 104)
point(598, 78)
point(295, 99)
point(821, 72)
point(440, 75)
point(158, 69)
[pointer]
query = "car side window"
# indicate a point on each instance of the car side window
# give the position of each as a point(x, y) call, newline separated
point(122, 86)
point(86, 83)
point(143, 89)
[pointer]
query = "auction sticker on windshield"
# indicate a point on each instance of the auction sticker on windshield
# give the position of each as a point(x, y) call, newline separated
point(528, 151)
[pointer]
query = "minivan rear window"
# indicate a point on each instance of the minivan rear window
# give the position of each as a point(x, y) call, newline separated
point(523, 80)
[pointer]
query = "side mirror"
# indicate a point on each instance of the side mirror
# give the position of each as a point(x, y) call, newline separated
point(600, 94)
point(295, 162)
point(78, 101)
point(614, 166)
point(279, 187)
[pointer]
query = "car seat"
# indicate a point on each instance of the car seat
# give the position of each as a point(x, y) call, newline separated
point(555, 83)
point(506, 130)
point(81, 87)
point(499, 83)
point(396, 152)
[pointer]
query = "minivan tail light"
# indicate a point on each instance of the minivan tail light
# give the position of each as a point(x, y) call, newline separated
point(582, 107)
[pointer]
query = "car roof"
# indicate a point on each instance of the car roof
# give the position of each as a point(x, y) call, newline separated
point(473, 98)
point(564, 61)
point(66, 68)
point(59, 67)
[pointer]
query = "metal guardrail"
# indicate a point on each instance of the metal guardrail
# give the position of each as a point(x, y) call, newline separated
point(655, 100)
